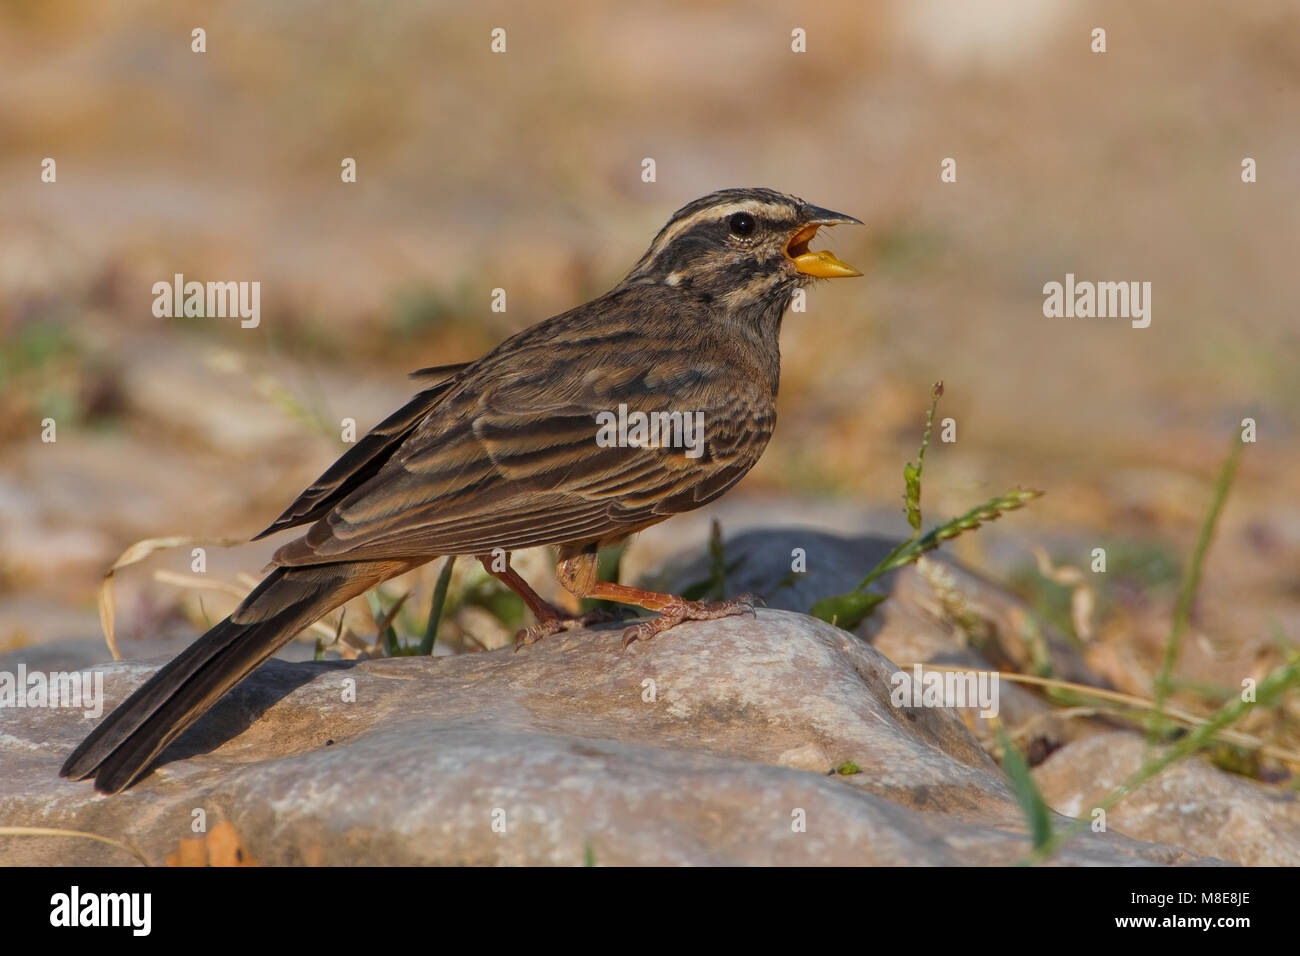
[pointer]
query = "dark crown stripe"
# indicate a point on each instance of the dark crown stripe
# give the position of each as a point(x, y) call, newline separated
point(701, 218)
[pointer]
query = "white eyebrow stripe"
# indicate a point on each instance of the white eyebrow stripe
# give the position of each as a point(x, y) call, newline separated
point(753, 207)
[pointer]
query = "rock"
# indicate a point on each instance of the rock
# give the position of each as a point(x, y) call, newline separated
point(837, 564)
point(762, 558)
point(920, 621)
point(1191, 804)
point(712, 744)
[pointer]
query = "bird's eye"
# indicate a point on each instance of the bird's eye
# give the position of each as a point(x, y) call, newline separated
point(742, 224)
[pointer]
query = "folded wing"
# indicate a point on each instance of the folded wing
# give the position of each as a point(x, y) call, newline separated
point(519, 465)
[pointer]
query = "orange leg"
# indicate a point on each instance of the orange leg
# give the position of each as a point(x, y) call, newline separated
point(542, 609)
point(578, 575)
point(550, 619)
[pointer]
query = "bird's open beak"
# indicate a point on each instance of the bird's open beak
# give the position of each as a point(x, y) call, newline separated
point(823, 263)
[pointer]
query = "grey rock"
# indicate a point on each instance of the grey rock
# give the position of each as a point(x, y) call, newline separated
point(914, 625)
point(1191, 804)
point(412, 760)
point(837, 564)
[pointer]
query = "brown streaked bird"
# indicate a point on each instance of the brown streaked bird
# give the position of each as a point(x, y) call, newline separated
point(502, 454)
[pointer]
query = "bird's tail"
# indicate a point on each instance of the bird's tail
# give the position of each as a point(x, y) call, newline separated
point(125, 743)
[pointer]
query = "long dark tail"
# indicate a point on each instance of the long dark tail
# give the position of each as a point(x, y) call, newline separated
point(121, 748)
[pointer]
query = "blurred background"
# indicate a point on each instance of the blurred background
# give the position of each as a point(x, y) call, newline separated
point(522, 171)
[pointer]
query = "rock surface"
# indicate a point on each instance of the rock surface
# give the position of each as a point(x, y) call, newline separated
point(1192, 803)
point(918, 623)
point(711, 744)
point(913, 625)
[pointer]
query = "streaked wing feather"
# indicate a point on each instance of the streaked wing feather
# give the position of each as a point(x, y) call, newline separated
point(360, 463)
point(439, 371)
point(510, 468)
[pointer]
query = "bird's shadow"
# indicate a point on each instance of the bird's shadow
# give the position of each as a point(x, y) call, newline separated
point(244, 705)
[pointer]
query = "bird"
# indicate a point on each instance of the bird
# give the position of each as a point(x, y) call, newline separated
point(502, 453)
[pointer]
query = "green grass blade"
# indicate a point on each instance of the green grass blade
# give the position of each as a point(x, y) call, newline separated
point(912, 473)
point(435, 609)
point(847, 605)
point(1268, 693)
point(1190, 585)
point(1038, 816)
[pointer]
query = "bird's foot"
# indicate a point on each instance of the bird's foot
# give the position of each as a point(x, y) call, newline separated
point(559, 623)
point(683, 610)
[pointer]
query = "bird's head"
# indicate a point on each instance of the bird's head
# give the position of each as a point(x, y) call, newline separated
point(742, 248)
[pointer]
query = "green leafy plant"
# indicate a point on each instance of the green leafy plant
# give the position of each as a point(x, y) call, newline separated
point(852, 608)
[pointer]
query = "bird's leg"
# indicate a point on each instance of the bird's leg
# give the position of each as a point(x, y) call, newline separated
point(550, 619)
point(578, 575)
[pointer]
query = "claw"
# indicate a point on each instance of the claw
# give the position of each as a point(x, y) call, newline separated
point(676, 613)
point(534, 633)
